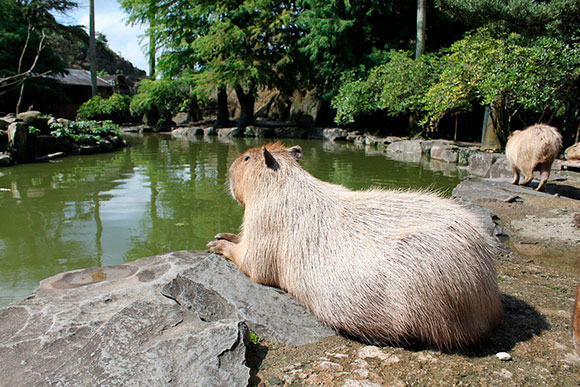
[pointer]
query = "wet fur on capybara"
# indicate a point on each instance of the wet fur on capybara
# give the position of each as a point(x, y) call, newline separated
point(385, 266)
point(533, 149)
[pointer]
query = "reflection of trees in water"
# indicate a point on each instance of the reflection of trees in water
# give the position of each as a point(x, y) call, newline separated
point(190, 201)
point(47, 201)
point(53, 219)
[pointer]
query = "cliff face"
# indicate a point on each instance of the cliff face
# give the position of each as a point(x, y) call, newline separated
point(73, 50)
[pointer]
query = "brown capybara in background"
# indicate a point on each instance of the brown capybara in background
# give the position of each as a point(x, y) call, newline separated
point(576, 322)
point(533, 149)
point(383, 266)
point(573, 152)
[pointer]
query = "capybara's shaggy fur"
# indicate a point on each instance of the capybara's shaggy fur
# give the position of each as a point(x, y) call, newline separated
point(576, 322)
point(382, 266)
point(573, 152)
point(533, 149)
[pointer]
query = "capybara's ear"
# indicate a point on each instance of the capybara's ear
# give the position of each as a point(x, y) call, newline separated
point(270, 160)
point(296, 152)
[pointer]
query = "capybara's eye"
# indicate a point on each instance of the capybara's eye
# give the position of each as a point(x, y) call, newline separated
point(246, 158)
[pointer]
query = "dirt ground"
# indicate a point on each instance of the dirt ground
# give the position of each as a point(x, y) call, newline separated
point(538, 274)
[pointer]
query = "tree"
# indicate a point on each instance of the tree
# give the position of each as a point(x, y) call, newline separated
point(92, 48)
point(242, 45)
point(421, 27)
point(532, 79)
point(24, 32)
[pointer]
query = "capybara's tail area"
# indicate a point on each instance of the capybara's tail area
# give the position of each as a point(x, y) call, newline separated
point(460, 325)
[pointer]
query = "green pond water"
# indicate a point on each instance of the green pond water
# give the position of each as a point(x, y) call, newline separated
point(157, 195)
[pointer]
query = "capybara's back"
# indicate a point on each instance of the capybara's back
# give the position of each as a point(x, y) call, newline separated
point(383, 266)
point(533, 149)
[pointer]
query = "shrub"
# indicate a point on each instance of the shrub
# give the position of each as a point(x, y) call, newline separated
point(86, 132)
point(115, 108)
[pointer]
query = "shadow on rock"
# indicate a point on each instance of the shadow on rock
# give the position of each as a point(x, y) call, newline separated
point(521, 322)
point(255, 355)
point(562, 190)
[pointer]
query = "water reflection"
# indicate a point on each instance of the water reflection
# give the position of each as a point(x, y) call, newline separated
point(158, 195)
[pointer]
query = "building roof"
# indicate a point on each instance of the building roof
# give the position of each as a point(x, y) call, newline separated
point(79, 78)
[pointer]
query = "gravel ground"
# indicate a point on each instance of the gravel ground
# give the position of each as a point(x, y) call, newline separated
point(538, 275)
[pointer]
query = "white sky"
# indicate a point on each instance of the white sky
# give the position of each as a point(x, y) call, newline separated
point(111, 21)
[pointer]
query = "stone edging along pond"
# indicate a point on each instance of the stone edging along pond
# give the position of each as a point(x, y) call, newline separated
point(465, 155)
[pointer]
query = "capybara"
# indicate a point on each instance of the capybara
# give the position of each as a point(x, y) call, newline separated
point(576, 322)
point(533, 149)
point(384, 266)
point(573, 152)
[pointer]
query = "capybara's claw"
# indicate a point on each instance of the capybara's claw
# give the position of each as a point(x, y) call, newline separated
point(212, 246)
point(234, 238)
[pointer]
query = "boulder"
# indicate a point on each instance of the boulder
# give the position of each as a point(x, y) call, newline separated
point(18, 142)
point(405, 146)
point(501, 168)
point(187, 132)
point(175, 319)
point(5, 159)
point(444, 152)
point(181, 119)
point(480, 163)
point(36, 119)
point(573, 152)
point(231, 132)
point(304, 108)
point(334, 134)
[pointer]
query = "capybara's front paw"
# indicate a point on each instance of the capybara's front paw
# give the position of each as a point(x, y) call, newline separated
point(222, 247)
point(214, 246)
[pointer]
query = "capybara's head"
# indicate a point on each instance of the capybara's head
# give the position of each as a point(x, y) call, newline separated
point(261, 168)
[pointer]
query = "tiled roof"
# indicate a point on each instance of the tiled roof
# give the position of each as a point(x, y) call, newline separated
point(79, 78)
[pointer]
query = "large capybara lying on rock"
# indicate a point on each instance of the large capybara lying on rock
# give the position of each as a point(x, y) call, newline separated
point(533, 149)
point(382, 266)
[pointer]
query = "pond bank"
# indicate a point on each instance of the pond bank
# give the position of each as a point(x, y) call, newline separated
point(470, 157)
point(185, 316)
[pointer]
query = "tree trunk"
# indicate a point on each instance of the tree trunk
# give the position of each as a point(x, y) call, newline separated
point(92, 48)
point(501, 123)
point(223, 115)
point(421, 25)
point(152, 43)
point(247, 101)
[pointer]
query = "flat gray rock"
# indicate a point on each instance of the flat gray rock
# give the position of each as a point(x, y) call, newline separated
point(114, 325)
point(216, 289)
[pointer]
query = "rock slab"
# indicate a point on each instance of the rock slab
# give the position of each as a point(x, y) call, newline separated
point(113, 325)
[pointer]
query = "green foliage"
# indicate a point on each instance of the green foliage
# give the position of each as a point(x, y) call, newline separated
point(514, 74)
point(162, 99)
point(396, 86)
point(114, 108)
point(86, 132)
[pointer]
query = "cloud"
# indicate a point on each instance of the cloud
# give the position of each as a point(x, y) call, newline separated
point(123, 39)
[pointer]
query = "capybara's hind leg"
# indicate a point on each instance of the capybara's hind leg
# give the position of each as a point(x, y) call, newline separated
point(544, 173)
point(516, 175)
point(234, 238)
point(529, 175)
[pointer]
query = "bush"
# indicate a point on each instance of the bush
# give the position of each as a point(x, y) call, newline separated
point(115, 108)
point(161, 99)
point(86, 132)
point(396, 86)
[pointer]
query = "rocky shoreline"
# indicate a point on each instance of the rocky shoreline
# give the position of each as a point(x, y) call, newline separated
point(30, 137)
point(192, 318)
